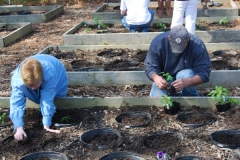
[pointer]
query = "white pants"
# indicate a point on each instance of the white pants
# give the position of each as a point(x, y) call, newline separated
point(190, 9)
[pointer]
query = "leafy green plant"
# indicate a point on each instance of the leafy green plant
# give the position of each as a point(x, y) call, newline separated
point(87, 30)
point(2, 117)
point(224, 21)
point(167, 76)
point(66, 119)
point(220, 94)
point(165, 122)
point(162, 26)
point(100, 25)
point(166, 101)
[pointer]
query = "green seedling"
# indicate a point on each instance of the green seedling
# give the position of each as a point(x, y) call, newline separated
point(87, 30)
point(162, 26)
point(96, 19)
point(66, 119)
point(2, 117)
point(102, 25)
point(224, 21)
point(167, 76)
point(165, 122)
point(220, 94)
point(166, 101)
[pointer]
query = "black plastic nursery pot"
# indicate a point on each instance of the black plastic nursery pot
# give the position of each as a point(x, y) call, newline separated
point(226, 139)
point(88, 137)
point(172, 110)
point(223, 107)
point(183, 117)
point(122, 154)
point(138, 114)
point(155, 140)
point(45, 155)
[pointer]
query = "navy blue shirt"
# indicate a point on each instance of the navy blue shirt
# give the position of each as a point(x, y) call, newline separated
point(160, 57)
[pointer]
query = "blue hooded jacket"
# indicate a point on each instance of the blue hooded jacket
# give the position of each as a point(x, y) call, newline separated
point(54, 84)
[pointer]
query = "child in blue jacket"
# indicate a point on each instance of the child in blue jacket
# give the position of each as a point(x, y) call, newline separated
point(40, 78)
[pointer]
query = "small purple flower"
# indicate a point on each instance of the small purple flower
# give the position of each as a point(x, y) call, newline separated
point(162, 156)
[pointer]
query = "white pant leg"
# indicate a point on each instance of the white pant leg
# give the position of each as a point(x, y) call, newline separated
point(191, 15)
point(178, 12)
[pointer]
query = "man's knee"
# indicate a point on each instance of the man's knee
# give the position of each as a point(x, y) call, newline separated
point(186, 73)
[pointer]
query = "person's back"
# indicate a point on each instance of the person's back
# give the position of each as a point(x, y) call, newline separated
point(137, 11)
point(136, 14)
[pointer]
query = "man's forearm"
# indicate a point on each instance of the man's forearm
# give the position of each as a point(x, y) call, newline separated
point(193, 81)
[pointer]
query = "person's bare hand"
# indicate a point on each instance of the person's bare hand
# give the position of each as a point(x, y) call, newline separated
point(160, 82)
point(20, 134)
point(47, 128)
point(179, 84)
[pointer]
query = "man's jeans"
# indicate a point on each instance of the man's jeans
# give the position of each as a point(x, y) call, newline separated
point(140, 28)
point(187, 91)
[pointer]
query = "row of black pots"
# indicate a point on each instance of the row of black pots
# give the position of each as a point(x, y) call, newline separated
point(115, 155)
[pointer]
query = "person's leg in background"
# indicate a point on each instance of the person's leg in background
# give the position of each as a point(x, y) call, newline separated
point(190, 90)
point(125, 24)
point(178, 12)
point(145, 27)
point(191, 15)
point(168, 8)
point(160, 8)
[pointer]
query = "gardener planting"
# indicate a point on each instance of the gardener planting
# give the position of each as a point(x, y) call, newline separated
point(40, 78)
point(181, 54)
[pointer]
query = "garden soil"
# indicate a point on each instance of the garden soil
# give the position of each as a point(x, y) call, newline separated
point(193, 141)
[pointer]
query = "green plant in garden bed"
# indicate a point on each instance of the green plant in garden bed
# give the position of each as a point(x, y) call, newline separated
point(65, 119)
point(87, 30)
point(224, 21)
point(166, 101)
point(220, 94)
point(101, 25)
point(2, 117)
point(161, 26)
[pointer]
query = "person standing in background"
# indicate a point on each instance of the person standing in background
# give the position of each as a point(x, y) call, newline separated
point(136, 15)
point(189, 8)
point(161, 8)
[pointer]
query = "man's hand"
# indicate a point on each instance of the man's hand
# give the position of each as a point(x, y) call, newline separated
point(47, 128)
point(160, 81)
point(20, 134)
point(179, 84)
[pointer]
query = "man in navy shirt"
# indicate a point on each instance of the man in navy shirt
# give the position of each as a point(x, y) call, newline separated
point(181, 54)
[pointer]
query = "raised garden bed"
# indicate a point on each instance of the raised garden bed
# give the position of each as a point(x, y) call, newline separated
point(10, 32)
point(106, 11)
point(35, 14)
point(190, 141)
point(86, 32)
point(126, 78)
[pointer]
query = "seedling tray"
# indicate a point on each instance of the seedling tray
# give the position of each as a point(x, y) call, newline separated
point(102, 14)
point(72, 38)
point(25, 29)
point(50, 12)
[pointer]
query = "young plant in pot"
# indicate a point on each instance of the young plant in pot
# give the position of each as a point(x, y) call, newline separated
point(220, 94)
point(170, 107)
